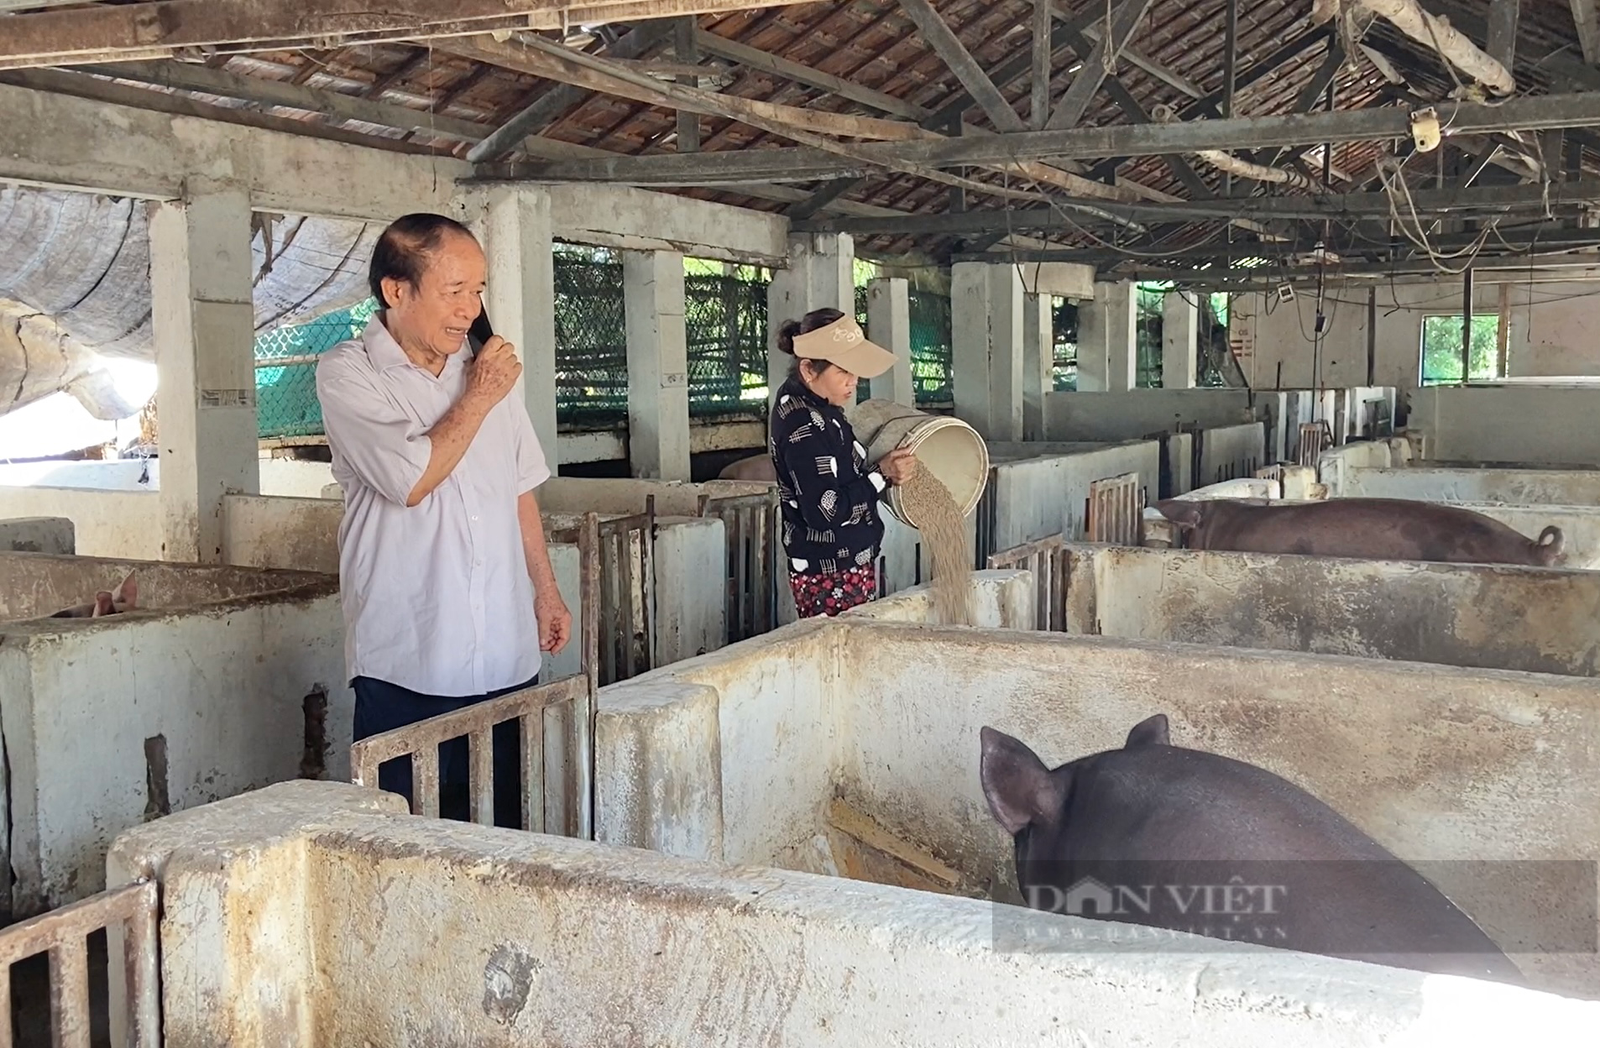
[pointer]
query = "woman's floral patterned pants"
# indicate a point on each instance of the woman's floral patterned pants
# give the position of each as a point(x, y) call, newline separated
point(833, 592)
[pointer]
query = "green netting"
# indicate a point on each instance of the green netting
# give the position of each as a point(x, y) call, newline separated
point(725, 324)
point(930, 348)
point(1147, 337)
point(591, 339)
point(725, 321)
point(286, 393)
point(863, 387)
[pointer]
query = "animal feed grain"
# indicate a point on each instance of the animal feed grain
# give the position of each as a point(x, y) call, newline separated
point(928, 502)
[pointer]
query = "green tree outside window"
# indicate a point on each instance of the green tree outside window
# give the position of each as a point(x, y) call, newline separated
point(1441, 349)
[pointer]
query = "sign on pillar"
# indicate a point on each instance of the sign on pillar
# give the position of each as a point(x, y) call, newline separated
point(658, 365)
point(203, 318)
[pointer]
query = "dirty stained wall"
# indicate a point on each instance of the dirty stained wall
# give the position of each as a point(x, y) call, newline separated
point(1521, 487)
point(1490, 616)
point(293, 916)
point(232, 680)
point(1431, 761)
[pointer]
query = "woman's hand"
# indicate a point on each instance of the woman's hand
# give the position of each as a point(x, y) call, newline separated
point(897, 465)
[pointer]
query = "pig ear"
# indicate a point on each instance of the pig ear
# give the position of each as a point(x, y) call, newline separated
point(1019, 788)
point(127, 591)
point(102, 605)
point(1152, 731)
point(1183, 512)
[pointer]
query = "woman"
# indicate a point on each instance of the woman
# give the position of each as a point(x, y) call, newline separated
point(829, 496)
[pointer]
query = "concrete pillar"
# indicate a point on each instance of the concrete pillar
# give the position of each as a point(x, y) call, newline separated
point(1108, 338)
point(658, 365)
point(204, 325)
point(513, 225)
point(1038, 362)
point(889, 325)
point(821, 273)
point(1180, 341)
point(986, 348)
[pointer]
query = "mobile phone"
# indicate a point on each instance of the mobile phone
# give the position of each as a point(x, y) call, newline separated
point(479, 333)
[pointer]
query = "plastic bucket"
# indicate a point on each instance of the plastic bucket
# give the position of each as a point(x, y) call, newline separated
point(950, 449)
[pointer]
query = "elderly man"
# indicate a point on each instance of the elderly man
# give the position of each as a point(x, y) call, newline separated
point(446, 584)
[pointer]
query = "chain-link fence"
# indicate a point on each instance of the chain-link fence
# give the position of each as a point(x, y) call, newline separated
point(930, 349)
point(725, 325)
point(286, 370)
point(591, 338)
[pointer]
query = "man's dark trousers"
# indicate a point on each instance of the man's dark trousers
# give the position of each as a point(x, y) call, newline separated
point(381, 707)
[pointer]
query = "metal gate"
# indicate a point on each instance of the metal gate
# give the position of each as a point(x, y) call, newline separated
point(752, 524)
point(1115, 513)
point(987, 520)
point(619, 585)
point(1047, 560)
point(573, 807)
point(1315, 438)
point(572, 699)
point(129, 916)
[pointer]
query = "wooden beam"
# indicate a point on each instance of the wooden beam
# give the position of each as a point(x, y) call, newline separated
point(1135, 112)
point(543, 58)
point(1209, 105)
point(539, 57)
point(823, 196)
point(684, 50)
point(1478, 164)
point(551, 103)
point(1097, 66)
point(1307, 100)
point(963, 65)
point(334, 105)
point(722, 47)
point(404, 69)
point(158, 28)
point(1583, 18)
point(1039, 85)
point(1532, 113)
point(1502, 40)
point(1135, 57)
point(749, 56)
point(83, 85)
point(1487, 199)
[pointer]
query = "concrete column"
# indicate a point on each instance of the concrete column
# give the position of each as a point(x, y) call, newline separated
point(1107, 339)
point(889, 325)
point(1180, 343)
point(204, 324)
point(821, 273)
point(986, 348)
point(658, 365)
point(1038, 362)
point(513, 225)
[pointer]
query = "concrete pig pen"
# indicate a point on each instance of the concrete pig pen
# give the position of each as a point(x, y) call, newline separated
point(222, 680)
point(313, 913)
point(1034, 493)
point(1489, 616)
point(743, 756)
point(1523, 487)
